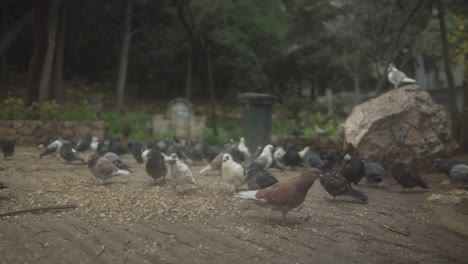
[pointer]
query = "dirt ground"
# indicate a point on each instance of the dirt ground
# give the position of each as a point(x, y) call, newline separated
point(131, 221)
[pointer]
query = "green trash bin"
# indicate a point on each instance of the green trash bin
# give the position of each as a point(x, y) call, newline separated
point(257, 119)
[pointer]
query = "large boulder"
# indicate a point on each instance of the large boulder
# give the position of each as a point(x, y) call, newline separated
point(402, 123)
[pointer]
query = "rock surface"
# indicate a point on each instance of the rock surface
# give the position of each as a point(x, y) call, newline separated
point(402, 123)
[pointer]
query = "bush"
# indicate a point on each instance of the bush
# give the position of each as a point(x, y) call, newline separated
point(12, 108)
point(117, 124)
point(208, 136)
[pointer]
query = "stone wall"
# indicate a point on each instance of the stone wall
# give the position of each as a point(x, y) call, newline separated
point(28, 132)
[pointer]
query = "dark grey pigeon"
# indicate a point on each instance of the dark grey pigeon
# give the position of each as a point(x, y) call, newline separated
point(3, 186)
point(83, 144)
point(155, 166)
point(114, 158)
point(291, 157)
point(373, 171)
point(52, 148)
point(195, 152)
point(7, 147)
point(336, 184)
point(406, 175)
point(258, 178)
point(446, 164)
point(69, 154)
point(352, 169)
point(459, 174)
point(137, 149)
point(312, 159)
point(46, 140)
point(103, 168)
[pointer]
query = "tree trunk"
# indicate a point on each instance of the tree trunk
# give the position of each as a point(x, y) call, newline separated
point(11, 35)
point(464, 116)
point(188, 84)
point(209, 70)
point(58, 63)
point(448, 70)
point(40, 10)
point(4, 77)
point(49, 57)
point(123, 61)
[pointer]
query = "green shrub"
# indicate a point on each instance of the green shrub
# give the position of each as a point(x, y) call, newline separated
point(208, 136)
point(12, 108)
point(117, 124)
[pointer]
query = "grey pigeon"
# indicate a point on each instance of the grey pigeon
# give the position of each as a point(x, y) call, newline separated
point(69, 154)
point(137, 149)
point(406, 175)
point(336, 184)
point(397, 77)
point(266, 157)
point(459, 173)
point(312, 159)
point(278, 158)
point(45, 140)
point(243, 148)
point(180, 172)
point(155, 166)
point(52, 148)
point(373, 171)
point(446, 164)
point(258, 178)
point(114, 158)
point(103, 168)
point(7, 147)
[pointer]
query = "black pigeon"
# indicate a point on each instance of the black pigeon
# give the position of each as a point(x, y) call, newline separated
point(235, 153)
point(46, 140)
point(291, 157)
point(136, 149)
point(446, 165)
point(155, 166)
point(69, 154)
point(52, 148)
point(374, 172)
point(336, 184)
point(7, 147)
point(114, 158)
point(83, 144)
point(352, 169)
point(258, 178)
point(406, 175)
point(3, 186)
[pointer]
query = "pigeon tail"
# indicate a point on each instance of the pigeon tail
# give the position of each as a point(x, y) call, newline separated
point(120, 172)
point(249, 195)
point(357, 194)
point(206, 169)
point(408, 80)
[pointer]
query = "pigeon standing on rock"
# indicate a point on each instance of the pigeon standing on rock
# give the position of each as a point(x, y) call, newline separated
point(233, 172)
point(336, 184)
point(180, 172)
point(115, 159)
point(373, 171)
point(243, 148)
point(7, 147)
point(155, 166)
point(266, 157)
point(103, 168)
point(258, 178)
point(397, 77)
point(406, 175)
point(52, 148)
point(353, 169)
point(69, 154)
point(285, 195)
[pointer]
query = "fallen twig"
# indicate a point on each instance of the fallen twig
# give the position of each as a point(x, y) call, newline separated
point(40, 209)
point(396, 230)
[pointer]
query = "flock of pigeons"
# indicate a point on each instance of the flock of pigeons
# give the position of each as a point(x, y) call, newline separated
point(166, 160)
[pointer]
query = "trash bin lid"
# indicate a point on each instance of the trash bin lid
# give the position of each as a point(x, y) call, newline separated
point(256, 98)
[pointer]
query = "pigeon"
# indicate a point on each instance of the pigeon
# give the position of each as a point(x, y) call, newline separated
point(446, 164)
point(215, 164)
point(155, 166)
point(52, 148)
point(459, 173)
point(3, 186)
point(278, 158)
point(94, 143)
point(373, 171)
point(136, 149)
point(145, 152)
point(336, 184)
point(311, 158)
point(266, 157)
point(195, 152)
point(103, 168)
point(258, 178)
point(353, 169)
point(284, 195)
point(232, 149)
point(258, 152)
point(406, 175)
point(243, 148)
point(180, 172)
point(232, 172)
point(83, 144)
point(115, 146)
point(397, 77)
point(291, 157)
point(69, 154)
point(46, 140)
point(115, 159)
point(7, 147)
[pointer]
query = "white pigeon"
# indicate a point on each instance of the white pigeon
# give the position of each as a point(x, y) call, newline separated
point(397, 77)
point(243, 148)
point(233, 172)
point(144, 155)
point(52, 148)
point(278, 156)
point(180, 172)
point(94, 143)
point(266, 157)
point(303, 152)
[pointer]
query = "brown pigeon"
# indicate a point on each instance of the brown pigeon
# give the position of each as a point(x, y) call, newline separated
point(285, 195)
point(215, 164)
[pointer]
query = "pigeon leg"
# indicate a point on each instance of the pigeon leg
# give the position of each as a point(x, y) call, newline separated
point(332, 200)
point(268, 216)
point(290, 221)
